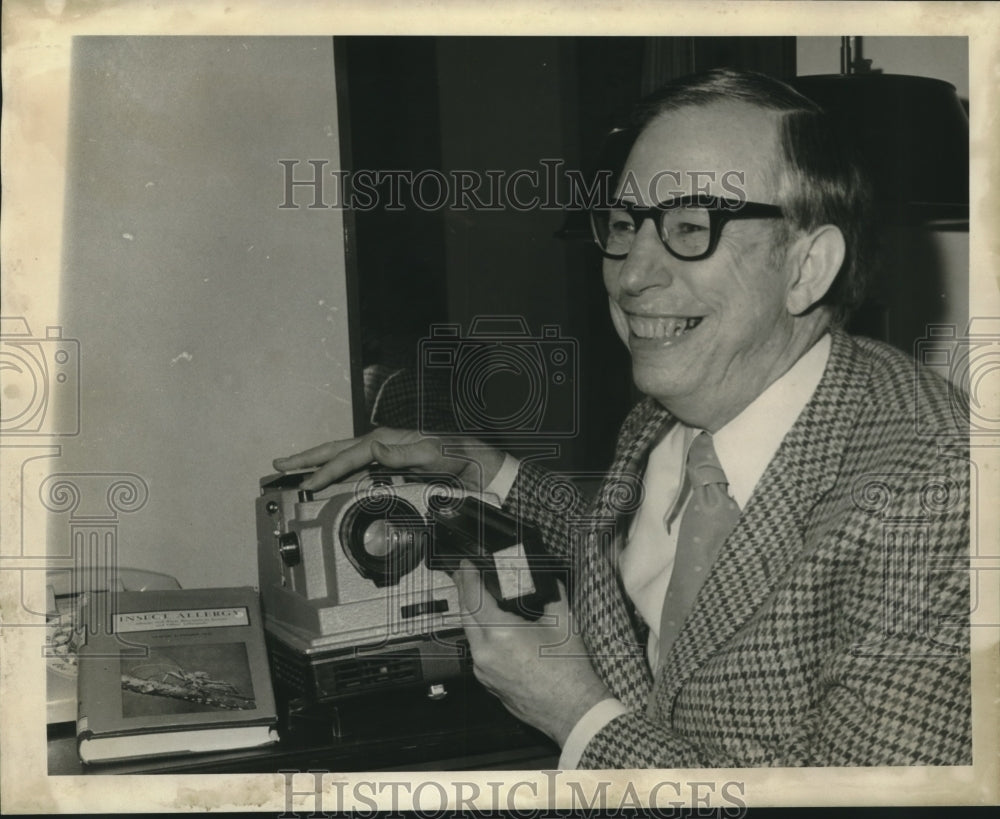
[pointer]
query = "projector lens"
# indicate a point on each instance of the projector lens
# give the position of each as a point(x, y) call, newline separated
point(385, 540)
point(375, 539)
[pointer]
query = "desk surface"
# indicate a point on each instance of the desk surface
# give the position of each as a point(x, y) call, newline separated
point(473, 732)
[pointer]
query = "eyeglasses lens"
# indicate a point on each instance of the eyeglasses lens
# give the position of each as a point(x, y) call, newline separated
point(686, 231)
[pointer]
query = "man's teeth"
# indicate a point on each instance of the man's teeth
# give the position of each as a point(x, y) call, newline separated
point(645, 327)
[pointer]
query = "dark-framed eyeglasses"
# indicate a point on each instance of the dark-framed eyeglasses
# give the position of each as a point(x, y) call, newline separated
point(688, 226)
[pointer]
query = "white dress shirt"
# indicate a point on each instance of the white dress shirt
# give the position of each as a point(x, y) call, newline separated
point(744, 446)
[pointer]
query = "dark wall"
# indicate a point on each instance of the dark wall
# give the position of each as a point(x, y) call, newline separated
point(505, 104)
point(394, 124)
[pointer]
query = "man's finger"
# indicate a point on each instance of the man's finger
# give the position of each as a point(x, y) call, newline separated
point(368, 450)
point(475, 600)
point(349, 460)
point(470, 586)
point(312, 457)
point(473, 631)
point(323, 453)
point(423, 453)
point(478, 603)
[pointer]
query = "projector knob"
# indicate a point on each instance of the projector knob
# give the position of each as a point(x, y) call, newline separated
point(288, 548)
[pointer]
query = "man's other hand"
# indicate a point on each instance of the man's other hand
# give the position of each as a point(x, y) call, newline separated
point(474, 463)
point(540, 671)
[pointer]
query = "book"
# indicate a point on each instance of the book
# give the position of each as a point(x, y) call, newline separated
point(61, 645)
point(64, 601)
point(173, 672)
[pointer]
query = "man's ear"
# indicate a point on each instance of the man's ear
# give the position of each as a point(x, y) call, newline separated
point(815, 258)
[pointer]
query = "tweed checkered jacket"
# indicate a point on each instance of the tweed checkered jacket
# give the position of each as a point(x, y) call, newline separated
point(831, 630)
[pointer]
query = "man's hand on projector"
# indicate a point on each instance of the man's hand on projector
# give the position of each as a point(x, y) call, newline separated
point(475, 464)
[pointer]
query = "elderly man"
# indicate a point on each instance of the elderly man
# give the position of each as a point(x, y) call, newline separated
point(787, 589)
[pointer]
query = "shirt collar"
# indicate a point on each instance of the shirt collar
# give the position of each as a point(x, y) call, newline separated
point(746, 445)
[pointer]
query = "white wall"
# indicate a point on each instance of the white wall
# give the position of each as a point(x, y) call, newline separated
point(212, 325)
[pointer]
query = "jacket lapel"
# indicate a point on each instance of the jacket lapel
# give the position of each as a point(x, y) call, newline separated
point(770, 534)
point(608, 621)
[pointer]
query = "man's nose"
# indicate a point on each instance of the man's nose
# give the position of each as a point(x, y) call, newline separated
point(648, 262)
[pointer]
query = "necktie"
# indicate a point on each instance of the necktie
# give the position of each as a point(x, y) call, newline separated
point(709, 517)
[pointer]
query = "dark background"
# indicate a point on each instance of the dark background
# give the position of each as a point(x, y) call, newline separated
point(478, 103)
point(502, 103)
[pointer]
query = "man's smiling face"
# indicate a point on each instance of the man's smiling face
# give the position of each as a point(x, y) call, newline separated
point(708, 336)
